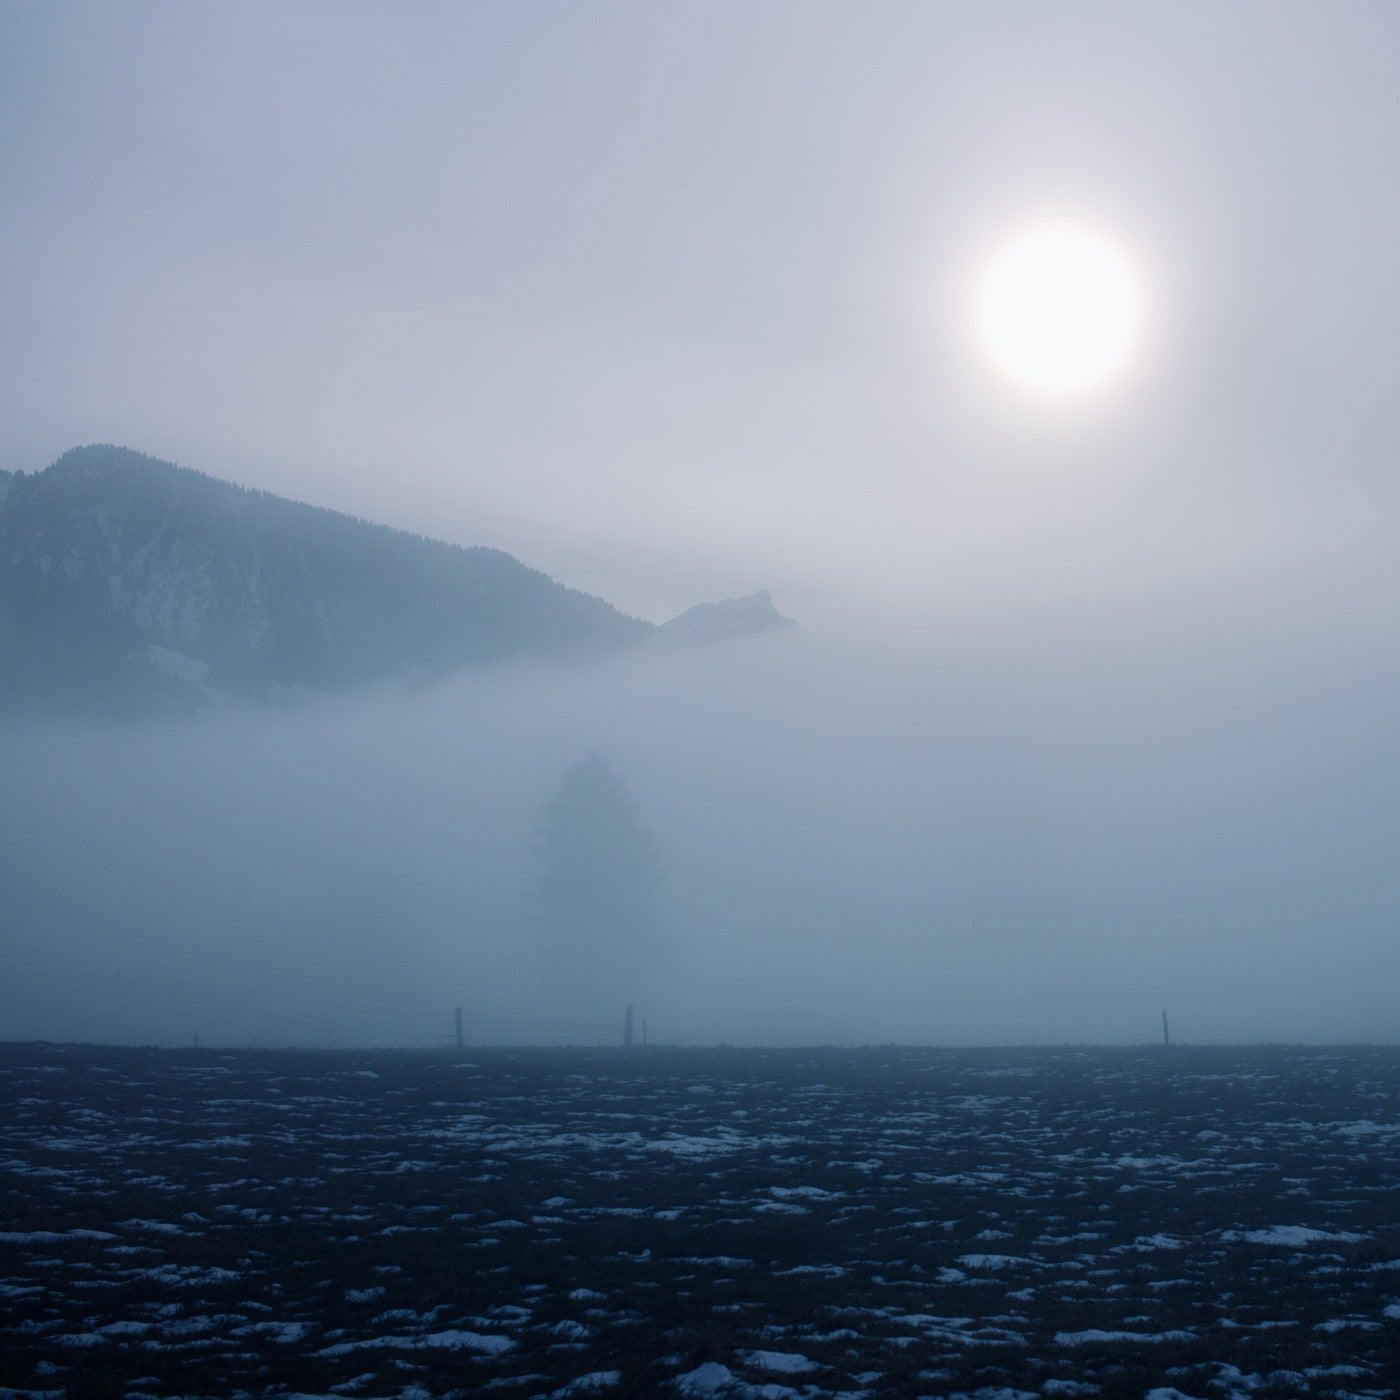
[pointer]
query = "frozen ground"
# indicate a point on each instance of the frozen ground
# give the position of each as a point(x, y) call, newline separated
point(759, 1223)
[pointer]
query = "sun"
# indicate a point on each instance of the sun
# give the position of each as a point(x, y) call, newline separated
point(1058, 308)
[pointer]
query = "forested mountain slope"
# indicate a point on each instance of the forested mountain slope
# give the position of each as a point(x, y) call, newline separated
point(127, 583)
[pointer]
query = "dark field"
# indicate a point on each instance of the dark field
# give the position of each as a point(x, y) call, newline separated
point(881, 1222)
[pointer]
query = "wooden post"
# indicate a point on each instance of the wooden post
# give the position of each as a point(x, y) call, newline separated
point(1166, 1035)
point(459, 1027)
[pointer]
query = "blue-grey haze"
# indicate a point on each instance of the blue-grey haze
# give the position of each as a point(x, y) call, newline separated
point(1093, 709)
point(1049, 843)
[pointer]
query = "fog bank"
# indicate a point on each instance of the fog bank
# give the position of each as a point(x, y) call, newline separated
point(1045, 835)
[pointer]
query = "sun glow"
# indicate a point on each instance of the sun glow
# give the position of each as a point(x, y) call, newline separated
point(1058, 309)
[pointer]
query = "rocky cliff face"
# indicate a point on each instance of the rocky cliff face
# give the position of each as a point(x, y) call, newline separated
point(107, 554)
point(734, 617)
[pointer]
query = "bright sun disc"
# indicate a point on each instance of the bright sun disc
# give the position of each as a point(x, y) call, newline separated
point(1058, 309)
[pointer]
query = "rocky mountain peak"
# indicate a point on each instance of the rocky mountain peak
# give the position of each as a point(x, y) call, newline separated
point(732, 617)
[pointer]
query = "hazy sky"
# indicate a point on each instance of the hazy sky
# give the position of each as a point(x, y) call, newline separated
point(1093, 709)
point(672, 300)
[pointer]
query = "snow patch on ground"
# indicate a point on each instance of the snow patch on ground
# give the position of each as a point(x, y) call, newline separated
point(1092, 1336)
point(452, 1340)
point(781, 1363)
point(709, 1378)
point(1293, 1236)
point(589, 1384)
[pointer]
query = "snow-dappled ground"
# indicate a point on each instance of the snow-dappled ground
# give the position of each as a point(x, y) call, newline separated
point(756, 1223)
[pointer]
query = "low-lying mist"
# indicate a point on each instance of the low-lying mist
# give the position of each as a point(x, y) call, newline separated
point(1049, 835)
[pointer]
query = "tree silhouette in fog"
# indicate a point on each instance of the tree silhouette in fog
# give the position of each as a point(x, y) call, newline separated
point(596, 881)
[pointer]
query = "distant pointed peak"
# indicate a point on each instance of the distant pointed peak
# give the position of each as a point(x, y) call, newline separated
point(731, 617)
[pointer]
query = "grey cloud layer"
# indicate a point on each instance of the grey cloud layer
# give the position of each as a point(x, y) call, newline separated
point(1031, 839)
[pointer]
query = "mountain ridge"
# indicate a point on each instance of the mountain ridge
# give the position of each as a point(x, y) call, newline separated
point(109, 551)
point(128, 584)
